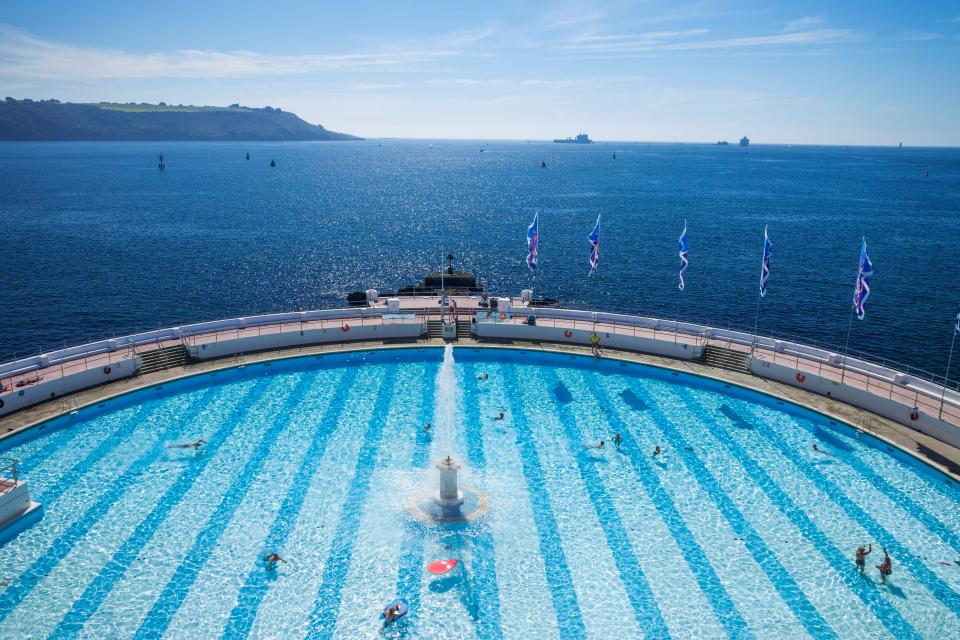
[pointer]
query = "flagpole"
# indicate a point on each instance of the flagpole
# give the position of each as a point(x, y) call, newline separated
point(756, 323)
point(846, 345)
point(946, 376)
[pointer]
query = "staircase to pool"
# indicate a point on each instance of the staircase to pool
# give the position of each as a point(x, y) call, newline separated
point(164, 358)
point(723, 358)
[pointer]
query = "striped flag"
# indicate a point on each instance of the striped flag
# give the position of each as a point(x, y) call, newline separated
point(594, 239)
point(956, 327)
point(682, 248)
point(533, 243)
point(864, 273)
point(765, 262)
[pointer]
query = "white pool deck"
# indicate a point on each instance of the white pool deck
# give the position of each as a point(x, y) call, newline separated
point(421, 309)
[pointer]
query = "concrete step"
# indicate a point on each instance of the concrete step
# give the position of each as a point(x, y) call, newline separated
point(164, 358)
point(723, 358)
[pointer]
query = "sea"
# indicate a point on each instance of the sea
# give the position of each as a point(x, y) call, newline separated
point(98, 242)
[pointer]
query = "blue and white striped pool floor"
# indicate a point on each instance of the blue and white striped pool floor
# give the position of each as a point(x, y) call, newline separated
point(737, 530)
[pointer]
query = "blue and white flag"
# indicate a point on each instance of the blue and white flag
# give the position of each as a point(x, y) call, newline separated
point(594, 239)
point(533, 243)
point(765, 262)
point(682, 249)
point(956, 327)
point(864, 273)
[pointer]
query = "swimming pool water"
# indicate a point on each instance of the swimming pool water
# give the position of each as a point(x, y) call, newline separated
point(738, 530)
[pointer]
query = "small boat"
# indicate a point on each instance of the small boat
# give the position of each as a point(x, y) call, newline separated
point(543, 164)
point(160, 163)
point(273, 163)
point(248, 155)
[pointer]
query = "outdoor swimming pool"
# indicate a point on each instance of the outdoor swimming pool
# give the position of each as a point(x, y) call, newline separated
point(737, 530)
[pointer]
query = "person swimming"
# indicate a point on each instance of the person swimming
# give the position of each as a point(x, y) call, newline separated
point(272, 559)
point(862, 556)
point(483, 376)
point(499, 417)
point(885, 567)
point(617, 440)
point(596, 445)
point(193, 445)
point(657, 451)
point(427, 427)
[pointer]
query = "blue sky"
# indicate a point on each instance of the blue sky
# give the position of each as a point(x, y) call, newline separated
point(799, 72)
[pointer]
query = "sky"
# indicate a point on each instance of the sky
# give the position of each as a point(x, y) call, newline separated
point(803, 72)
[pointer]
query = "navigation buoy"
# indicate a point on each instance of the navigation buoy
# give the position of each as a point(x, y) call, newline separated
point(440, 567)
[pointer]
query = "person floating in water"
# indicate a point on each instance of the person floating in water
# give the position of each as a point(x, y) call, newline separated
point(272, 559)
point(657, 451)
point(595, 344)
point(885, 567)
point(617, 440)
point(499, 417)
point(427, 427)
point(483, 377)
point(193, 445)
point(862, 556)
point(596, 445)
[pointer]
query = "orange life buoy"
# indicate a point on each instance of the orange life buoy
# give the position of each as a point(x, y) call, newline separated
point(800, 377)
point(503, 316)
point(106, 371)
point(568, 333)
point(915, 414)
point(345, 328)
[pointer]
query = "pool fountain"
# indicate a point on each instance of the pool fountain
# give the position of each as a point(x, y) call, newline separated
point(451, 502)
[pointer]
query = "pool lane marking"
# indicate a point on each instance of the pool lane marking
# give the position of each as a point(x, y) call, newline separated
point(410, 570)
point(326, 605)
point(645, 608)
point(259, 580)
point(115, 568)
point(883, 486)
point(72, 476)
point(155, 624)
point(781, 579)
point(66, 541)
point(567, 609)
point(941, 590)
point(476, 458)
point(64, 433)
point(710, 585)
point(866, 590)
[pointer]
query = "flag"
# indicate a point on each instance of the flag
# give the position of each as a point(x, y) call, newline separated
point(765, 262)
point(533, 243)
point(682, 248)
point(594, 239)
point(864, 273)
point(956, 327)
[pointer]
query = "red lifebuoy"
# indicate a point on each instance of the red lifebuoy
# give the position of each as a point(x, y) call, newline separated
point(503, 316)
point(345, 328)
point(106, 371)
point(915, 414)
point(568, 334)
point(801, 377)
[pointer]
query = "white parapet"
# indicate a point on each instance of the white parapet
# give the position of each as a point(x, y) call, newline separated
point(17, 510)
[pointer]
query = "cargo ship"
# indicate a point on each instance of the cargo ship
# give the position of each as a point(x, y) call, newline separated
point(581, 138)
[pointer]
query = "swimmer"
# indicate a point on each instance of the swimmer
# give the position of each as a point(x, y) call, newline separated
point(596, 445)
point(272, 560)
point(483, 377)
point(192, 445)
point(862, 556)
point(657, 451)
point(499, 417)
point(885, 567)
point(427, 427)
point(390, 614)
point(617, 440)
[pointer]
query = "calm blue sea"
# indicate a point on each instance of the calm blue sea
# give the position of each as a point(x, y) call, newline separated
point(96, 241)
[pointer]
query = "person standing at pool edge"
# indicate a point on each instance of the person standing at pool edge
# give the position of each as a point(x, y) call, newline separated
point(595, 344)
point(862, 556)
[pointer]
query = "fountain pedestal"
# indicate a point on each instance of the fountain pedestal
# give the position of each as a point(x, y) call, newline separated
point(449, 497)
point(452, 503)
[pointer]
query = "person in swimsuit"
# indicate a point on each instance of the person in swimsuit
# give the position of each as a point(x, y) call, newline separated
point(391, 613)
point(862, 556)
point(272, 559)
point(483, 377)
point(617, 440)
point(195, 445)
point(428, 426)
point(657, 451)
point(885, 567)
point(499, 417)
point(599, 445)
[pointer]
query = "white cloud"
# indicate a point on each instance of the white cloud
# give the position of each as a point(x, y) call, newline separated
point(635, 44)
point(25, 56)
point(915, 35)
point(803, 23)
